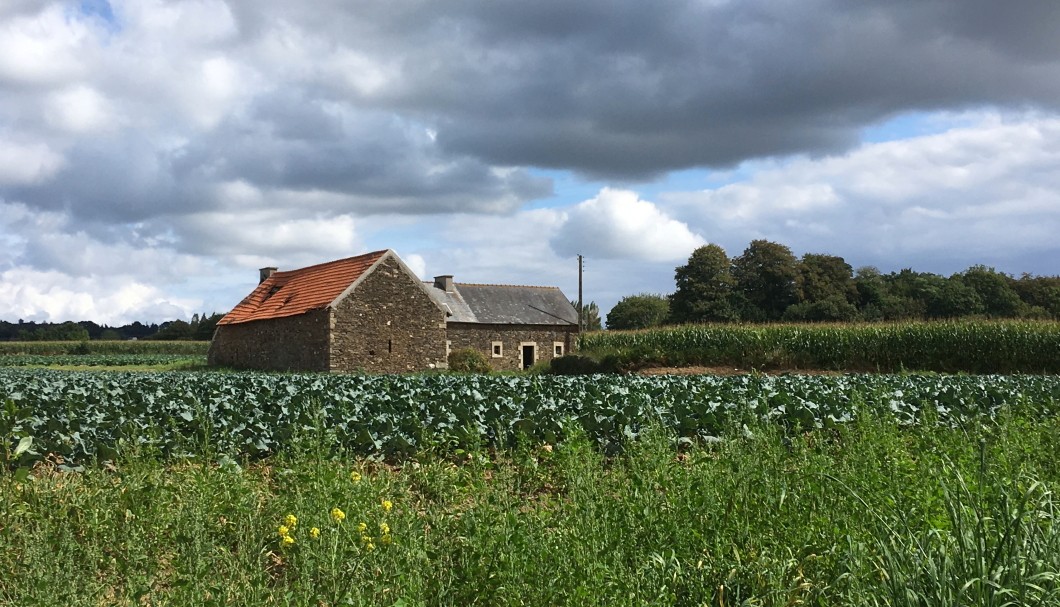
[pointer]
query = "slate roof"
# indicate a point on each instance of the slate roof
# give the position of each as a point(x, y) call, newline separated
point(505, 304)
point(299, 291)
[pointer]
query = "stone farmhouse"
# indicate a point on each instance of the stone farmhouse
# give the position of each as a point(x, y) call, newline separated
point(372, 313)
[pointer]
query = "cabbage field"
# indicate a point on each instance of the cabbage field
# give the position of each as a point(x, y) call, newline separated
point(98, 360)
point(87, 416)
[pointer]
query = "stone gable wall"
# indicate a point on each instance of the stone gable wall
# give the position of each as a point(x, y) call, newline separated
point(294, 343)
point(481, 337)
point(388, 324)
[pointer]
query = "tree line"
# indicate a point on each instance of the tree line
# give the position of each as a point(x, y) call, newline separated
point(200, 328)
point(768, 283)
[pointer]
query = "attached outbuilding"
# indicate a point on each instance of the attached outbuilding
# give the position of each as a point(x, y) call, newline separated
point(372, 313)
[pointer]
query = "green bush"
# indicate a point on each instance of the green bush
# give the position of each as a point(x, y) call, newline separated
point(469, 360)
point(574, 364)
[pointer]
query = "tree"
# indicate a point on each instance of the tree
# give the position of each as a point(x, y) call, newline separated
point(590, 315)
point(824, 277)
point(872, 290)
point(704, 288)
point(109, 334)
point(205, 328)
point(909, 294)
point(956, 298)
point(174, 330)
point(765, 277)
point(829, 309)
point(999, 299)
point(67, 331)
point(1041, 293)
point(639, 312)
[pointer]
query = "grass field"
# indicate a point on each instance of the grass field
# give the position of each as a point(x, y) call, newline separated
point(866, 514)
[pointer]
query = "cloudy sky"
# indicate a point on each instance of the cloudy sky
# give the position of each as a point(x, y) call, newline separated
point(155, 153)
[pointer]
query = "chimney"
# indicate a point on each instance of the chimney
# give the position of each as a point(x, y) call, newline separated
point(264, 274)
point(444, 282)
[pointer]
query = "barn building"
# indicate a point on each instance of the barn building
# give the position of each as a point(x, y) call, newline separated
point(372, 313)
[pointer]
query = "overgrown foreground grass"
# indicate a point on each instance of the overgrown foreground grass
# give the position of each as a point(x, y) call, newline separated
point(867, 514)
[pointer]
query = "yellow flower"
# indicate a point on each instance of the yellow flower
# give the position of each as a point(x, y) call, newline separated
point(287, 540)
point(369, 546)
point(290, 520)
point(366, 539)
point(338, 515)
point(362, 527)
point(384, 528)
point(283, 530)
point(355, 476)
point(387, 505)
point(314, 532)
point(385, 539)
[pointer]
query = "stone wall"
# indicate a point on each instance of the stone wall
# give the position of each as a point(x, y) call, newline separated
point(294, 343)
point(388, 324)
point(511, 337)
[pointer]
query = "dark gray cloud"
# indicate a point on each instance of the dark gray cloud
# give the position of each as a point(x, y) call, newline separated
point(341, 98)
point(628, 89)
point(375, 161)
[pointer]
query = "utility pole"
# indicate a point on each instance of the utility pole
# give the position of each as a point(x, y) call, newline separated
point(581, 317)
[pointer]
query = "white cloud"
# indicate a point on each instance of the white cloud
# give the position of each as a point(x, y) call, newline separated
point(44, 48)
point(416, 263)
point(113, 300)
point(984, 193)
point(78, 109)
point(362, 74)
point(191, 22)
point(281, 236)
point(27, 164)
point(617, 224)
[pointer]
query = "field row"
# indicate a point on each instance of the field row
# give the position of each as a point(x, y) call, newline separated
point(971, 347)
point(97, 360)
point(83, 416)
point(78, 348)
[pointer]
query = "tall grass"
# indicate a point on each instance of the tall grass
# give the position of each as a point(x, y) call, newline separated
point(958, 346)
point(867, 513)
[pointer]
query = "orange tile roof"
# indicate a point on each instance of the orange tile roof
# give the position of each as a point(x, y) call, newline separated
point(296, 292)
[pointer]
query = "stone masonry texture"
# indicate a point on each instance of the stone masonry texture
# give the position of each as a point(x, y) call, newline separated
point(481, 337)
point(294, 343)
point(388, 324)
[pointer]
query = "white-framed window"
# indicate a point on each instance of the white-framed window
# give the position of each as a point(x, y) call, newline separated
point(557, 348)
point(498, 349)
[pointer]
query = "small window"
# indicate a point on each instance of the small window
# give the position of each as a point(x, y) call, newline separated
point(448, 347)
point(498, 349)
point(557, 348)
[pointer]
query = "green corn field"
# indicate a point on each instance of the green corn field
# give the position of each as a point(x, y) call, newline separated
point(967, 346)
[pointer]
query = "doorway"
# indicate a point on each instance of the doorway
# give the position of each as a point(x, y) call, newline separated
point(529, 355)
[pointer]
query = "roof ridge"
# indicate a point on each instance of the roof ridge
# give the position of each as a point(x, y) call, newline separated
point(489, 284)
point(332, 262)
point(301, 290)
